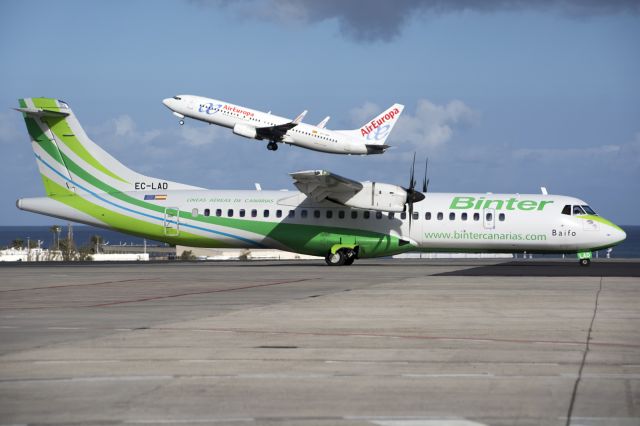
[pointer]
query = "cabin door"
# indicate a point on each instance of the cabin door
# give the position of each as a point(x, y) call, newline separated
point(171, 221)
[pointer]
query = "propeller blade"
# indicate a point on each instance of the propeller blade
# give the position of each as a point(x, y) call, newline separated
point(425, 182)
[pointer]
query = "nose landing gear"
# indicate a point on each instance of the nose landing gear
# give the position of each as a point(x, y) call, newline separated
point(181, 122)
point(584, 257)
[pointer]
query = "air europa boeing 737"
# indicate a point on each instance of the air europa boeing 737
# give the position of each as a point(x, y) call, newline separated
point(368, 139)
point(331, 216)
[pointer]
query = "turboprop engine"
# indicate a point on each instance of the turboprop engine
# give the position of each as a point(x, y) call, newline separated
point(375, 196)
point(245, 130)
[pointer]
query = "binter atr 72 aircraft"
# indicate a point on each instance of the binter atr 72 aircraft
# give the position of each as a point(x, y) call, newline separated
point(368, 139)
point(331, 216)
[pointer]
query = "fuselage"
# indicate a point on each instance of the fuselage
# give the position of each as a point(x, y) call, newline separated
point(288, 220)
point(242, 120)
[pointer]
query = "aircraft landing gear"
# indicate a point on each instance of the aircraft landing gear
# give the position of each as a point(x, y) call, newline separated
point(340, 258)
point(181, 122)
point(272, 146)
point(585, 262)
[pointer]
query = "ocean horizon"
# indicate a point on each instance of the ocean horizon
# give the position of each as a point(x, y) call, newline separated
point(82, 234)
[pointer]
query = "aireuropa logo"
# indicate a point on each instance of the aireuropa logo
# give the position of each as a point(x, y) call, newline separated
point(378, 127)
point(208, 108)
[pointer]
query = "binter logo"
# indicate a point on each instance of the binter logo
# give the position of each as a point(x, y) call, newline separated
point(378, 122)
point(463, 203)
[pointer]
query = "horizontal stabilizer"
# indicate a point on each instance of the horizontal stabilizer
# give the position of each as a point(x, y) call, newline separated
point(376, 149)
point(42, 112)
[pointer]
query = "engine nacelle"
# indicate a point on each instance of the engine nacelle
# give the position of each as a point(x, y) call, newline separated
point(245, 130)
point(377, 196)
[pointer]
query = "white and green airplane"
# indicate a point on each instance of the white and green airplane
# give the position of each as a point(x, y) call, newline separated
point(331, 216)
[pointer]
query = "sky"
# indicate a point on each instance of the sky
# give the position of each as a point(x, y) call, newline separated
point(503, 96)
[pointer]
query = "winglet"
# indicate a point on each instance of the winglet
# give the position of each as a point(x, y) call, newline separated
point(323, 122)
point(300, 117)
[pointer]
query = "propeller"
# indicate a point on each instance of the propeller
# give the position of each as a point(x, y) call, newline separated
point(413, 196)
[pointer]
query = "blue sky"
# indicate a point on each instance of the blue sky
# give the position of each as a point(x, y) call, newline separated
point(504, 98)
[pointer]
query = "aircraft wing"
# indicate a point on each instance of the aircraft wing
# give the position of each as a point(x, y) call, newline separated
point(276, 133)
point(321, 185)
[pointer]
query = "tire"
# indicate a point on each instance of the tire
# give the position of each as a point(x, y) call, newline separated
point(335, 259)
point(349, 261)
point(585, 262)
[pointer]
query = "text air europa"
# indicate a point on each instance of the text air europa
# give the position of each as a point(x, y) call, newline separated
point(379, 122)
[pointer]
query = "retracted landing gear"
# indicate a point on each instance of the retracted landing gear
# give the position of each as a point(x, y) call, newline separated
point(272, 146)
point(341, 257)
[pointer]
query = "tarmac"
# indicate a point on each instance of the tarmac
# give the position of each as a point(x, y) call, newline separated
point(382, 342)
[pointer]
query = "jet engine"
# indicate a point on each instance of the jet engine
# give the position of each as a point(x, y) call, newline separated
point(245, 130)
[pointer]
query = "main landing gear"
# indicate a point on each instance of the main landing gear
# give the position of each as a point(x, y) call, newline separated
point(341, 257)
point(272, 146)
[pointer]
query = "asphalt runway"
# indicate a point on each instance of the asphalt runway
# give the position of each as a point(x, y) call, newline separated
point(383, 342)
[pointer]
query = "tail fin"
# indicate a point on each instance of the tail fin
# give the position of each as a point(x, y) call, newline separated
point(69, 160)
point(377, 130)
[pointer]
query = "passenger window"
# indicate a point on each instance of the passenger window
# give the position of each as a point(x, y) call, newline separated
point(427, 216)
point(218, 212)
point(463, 216)
point(241, 213)
point(403, 215)
point(303, 214)
point(489, 217)
point(378, 215)
point(230, 213)
point(265, 213)
point(254, 213)
point(207, 212)
point(354, 214)
point(366, 214)
point(440, 216)
point(501, 217)
point(329, 214)
point(577, 210)
point(392, 215)
point(476, 216)
point(316, 214)
point(341, 214)
point(278, 213)
point(566, 210)
point(194, 212)
point(452, 216)
point(292, 214)
point(415, 215)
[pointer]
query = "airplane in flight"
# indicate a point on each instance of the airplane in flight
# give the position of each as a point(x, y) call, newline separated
point(252, 124)
point(331, 216)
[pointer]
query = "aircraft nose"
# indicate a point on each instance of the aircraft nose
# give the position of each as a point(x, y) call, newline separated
point(620, 235)
point(167, 102)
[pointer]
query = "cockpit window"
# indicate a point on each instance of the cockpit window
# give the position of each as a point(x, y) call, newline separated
point(589, 210)
point(177, 98)
point(62, 104)
point(566, 210)
point(577, 210)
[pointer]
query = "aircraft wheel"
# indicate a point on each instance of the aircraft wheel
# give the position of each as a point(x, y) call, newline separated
point(181, 122)
point(335, 259)
point(349, 261)
point(274, 147)
point(269, 147)
point(585, 262)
